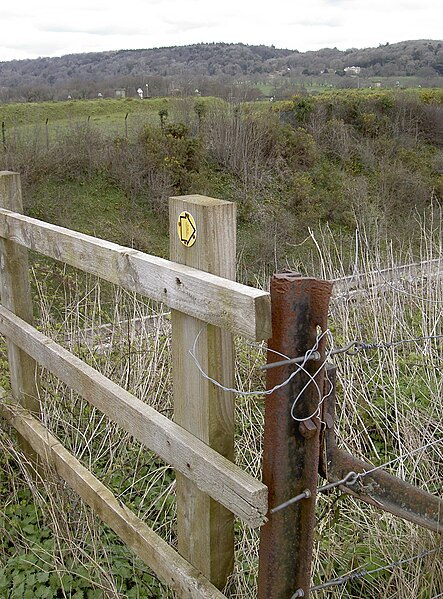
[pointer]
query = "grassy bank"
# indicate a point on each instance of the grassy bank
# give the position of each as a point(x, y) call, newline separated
point(348, 160)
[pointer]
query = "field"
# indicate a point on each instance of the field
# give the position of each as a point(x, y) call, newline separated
point(301, 205)
point(46, 123)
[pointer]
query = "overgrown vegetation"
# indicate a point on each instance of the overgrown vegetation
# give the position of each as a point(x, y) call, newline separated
point(306, 175)
point(388, 405)
point(366, 159)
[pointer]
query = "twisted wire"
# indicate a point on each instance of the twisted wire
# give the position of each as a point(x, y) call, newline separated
point(341, 580)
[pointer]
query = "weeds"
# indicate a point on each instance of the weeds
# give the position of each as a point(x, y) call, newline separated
point(389, 403)
point(389, 399)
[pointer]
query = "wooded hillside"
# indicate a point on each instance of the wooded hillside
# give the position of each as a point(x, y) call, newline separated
point(185, 68)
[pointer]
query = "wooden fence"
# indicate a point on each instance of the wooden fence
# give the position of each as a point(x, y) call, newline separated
point(205, 301)
point(208, 307)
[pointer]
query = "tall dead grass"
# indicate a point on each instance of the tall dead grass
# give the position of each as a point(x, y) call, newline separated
point(389, 403)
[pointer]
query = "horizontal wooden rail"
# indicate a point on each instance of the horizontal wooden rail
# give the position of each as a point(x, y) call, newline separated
point(237, 308)
point(169, 565)
point(212, 473)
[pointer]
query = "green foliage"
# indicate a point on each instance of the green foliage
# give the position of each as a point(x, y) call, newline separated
point(200, 109)
point(302, 107)
point(345, 158)
point(388, 401)
point(175, 152)
point(34, 564)
point(163, 114)
point(297, 147)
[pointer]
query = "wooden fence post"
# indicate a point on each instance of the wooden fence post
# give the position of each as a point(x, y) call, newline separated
point(16, 296)
point(292, 446)
point(203, 235)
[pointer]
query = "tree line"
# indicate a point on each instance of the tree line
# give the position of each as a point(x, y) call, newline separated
point(209, 69)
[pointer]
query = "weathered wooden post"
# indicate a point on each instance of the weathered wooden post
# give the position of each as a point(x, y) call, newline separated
point(291, 446)
point(203, 235)
point(16, 296)
point(47, 133)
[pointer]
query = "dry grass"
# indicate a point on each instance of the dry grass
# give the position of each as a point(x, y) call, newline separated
point(389, 403)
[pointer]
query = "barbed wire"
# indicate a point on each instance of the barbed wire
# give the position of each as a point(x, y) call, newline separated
point(349, 479)
point(309, 355)
point(411, 294)
point(354, 477)
point(341, 580)
point(393, 286)
point(352, 348)
point(193, 352)
point(363, 345)
point(402, 457)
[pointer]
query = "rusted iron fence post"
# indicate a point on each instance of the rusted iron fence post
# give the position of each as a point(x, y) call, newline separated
point(291, 447)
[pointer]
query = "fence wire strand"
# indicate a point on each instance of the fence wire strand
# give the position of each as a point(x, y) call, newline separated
point(402, 457)
point(193, 353)
point(353, 347)
point(393, 286)
point(352, 477)
point(309, 355)
point(341, 580)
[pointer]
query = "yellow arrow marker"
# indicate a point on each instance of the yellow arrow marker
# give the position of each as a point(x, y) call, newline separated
point(187, 229)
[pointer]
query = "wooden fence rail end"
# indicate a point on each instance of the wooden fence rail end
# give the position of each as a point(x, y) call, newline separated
point(179, 574)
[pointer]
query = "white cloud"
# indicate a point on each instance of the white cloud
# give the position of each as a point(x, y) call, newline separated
point(55, 27)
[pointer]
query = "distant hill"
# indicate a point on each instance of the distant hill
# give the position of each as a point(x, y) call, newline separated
point(224, 62)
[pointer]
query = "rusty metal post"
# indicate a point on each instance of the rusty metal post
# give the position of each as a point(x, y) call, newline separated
point(291, 448)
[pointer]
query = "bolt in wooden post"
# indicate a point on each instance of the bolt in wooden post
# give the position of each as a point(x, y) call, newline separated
point(291, 448)
point(15, 294)
point(205, 240)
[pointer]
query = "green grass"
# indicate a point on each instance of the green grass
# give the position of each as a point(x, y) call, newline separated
point(76, 205)
point(47, 122)
point(38, 112)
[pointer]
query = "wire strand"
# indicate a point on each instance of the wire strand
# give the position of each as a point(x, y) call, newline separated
point(300, 368)
point(341, 580)
point(398, 458)
point(393, 286)
point(351, 478)
point(351, 348)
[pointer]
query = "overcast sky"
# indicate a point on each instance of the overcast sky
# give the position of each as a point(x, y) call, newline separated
point(33, 28)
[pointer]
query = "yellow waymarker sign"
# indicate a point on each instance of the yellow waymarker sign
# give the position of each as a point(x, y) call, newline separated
point(187, 229)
